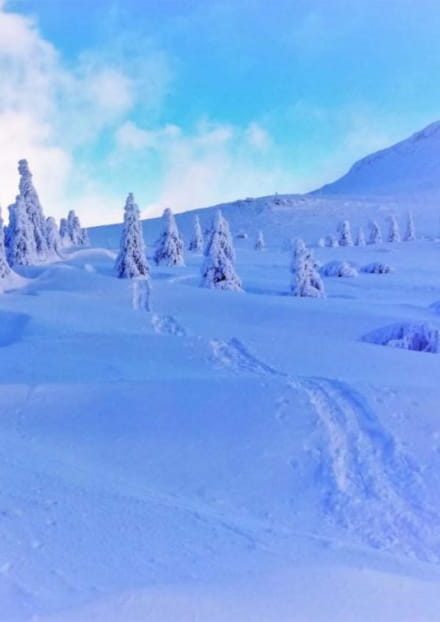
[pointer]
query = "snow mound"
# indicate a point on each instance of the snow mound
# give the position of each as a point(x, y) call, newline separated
point(376, 267)
point(408, 336)
point(339, 269)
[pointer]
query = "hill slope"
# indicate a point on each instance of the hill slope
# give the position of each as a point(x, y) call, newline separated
point(411, 166)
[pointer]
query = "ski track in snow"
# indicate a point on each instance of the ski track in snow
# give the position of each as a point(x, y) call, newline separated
point(374, 490)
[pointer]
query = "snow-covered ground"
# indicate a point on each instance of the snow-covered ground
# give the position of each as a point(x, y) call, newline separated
point(229, 456)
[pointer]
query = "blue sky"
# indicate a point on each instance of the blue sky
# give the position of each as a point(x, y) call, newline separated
point(190, 102)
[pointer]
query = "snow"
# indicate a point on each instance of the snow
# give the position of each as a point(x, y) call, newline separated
point(225, 456)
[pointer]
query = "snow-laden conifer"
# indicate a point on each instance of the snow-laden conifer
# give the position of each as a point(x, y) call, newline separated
point(360, 238)
point(33, 208)
point(196, 243)
point(374, 234)
point(410, 233)
point(259, 242)
point(20, 235)
point(306, 281)
point(218, 269)
point(5, 269)
point(393, 233)
point(74, 230)
point(344, 234)
point(321, 242)
point(169, 248)
point(223, 236)
point(53, 238)
point(131, 261)
point(64, 232)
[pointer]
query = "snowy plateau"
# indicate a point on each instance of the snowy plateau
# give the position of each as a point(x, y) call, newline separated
point(231, 456)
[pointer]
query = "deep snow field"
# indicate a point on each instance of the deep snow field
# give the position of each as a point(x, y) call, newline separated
point(233, 457)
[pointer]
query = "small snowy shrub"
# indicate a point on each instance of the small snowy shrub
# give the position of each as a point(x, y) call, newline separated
point(321, 243)
point(331, 241)
point(242, 236)
point(376, 268)
point(339, 269)
point(408, 336)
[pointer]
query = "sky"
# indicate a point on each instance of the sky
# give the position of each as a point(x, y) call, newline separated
point(189, 103)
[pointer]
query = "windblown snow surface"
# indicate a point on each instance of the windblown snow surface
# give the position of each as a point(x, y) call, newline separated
point(233, 457)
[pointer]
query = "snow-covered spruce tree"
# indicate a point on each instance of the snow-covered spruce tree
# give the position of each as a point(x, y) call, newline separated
point(169, 248)
point(321, 243)
point(64, 232)
point(410, 233)
point(344, 234)
point(218, 269)
point(33, 208)
point(375, 234)
point(393, 233)
point(5, 269)
point(84, 238)
point(53, 237)
point(360, 239)
point(196, 243)
point(131, 261)
point(20, 235)
point(221, 227)
point(74, 229)
point(306, 281)
point(259, 242)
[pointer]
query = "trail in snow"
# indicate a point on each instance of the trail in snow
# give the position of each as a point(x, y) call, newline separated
point(374, 490)
point(167, 325)
point(377, 492)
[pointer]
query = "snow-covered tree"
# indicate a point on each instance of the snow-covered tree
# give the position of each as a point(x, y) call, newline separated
point(259, 242)
point(196, 243)
point(169, 249)
point(223, 236)
point(74, 230)
point(84, 238)
point(20, 235)
point(321, 242)
point(344, 234)
point(218, 268)
point(5, 269)
point(64, 232)
point(33, 208)
point(393, 233)
point(306, 281)
point(375, 234)
point(53, 237)
point(410, 233)
point(360, 239)
point(131, 261)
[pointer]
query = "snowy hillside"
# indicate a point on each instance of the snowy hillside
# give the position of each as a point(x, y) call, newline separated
point(227, 457)
point(411, 167)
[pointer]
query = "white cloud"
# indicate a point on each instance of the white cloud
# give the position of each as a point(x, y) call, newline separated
point(47, 110)
point(214, 163)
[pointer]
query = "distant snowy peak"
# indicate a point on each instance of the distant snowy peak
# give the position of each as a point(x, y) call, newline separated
point(410, 166)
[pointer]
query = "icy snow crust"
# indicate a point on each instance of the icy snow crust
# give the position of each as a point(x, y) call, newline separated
point(228, 456)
